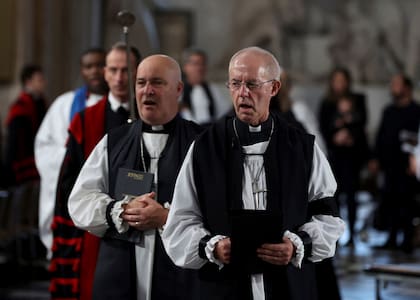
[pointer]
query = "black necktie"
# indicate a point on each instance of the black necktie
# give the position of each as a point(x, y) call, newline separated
point(122, 114)
point(122, 111)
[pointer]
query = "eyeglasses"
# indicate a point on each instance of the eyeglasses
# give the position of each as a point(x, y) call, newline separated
point(250, 85)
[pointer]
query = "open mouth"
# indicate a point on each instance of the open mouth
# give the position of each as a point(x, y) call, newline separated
point(245, 106)
point(149, 102)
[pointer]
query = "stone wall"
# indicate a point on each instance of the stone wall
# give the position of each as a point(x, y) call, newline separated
point(374, 39)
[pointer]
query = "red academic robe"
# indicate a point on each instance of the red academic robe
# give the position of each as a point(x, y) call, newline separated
point(75, 251)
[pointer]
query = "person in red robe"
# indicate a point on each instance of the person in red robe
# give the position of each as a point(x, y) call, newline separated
point(74, 250)
point(22, 179)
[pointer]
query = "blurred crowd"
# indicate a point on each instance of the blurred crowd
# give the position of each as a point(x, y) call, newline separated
point(386, 168)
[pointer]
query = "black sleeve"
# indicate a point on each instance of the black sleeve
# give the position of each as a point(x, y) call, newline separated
point(324, 206)
point(70, 168)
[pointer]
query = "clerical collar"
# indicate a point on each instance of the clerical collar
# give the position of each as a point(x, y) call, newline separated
point(165, 128)
point(115, 103)
point(249, 135)
point(254, 128)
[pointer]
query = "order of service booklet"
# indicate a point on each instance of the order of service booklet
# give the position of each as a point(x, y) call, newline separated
point(131, 183)
point(251, 229)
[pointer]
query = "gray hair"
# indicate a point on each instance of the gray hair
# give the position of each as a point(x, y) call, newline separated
point(272, 65)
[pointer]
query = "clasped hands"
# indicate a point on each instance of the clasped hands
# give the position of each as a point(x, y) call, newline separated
point(276, 254)
point(144, 212)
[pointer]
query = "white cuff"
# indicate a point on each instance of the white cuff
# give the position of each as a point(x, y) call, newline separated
point(166, 205)
point(116, 212)
point(300, 248)
point(211, 244)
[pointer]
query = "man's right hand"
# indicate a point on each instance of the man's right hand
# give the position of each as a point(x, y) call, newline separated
point(222, 250)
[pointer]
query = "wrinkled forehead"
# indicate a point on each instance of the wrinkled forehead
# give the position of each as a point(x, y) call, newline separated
point(249, 67)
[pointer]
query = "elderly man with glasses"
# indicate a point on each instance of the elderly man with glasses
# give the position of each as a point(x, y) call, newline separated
point(253, 205)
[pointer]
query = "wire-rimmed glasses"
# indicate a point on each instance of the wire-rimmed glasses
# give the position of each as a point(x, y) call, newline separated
point(250, 85)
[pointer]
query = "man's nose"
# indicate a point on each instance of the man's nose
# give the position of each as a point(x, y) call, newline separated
point(243, 90)
point(120, 75)
point(148, 88)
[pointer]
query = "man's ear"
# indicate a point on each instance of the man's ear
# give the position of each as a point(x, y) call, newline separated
point(276, 87)
point(180, 87)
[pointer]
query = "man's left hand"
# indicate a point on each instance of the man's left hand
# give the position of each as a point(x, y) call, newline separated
point(277, 254)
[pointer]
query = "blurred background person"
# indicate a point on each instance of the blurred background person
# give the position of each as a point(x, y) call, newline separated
point(71, 244)
point(339, 84)
point(348, 152)
point(399, 119)
point(52, 135)
point(343, 118)
point(23, 120)
point(201, 101)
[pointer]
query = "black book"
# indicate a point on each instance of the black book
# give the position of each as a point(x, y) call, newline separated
point(131, 183)
point(251, 229)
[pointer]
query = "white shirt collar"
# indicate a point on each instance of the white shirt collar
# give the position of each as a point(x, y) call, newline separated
point(115, 103)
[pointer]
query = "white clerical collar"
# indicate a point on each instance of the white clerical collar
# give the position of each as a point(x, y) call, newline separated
point(115, 103)
point(157, 127)
point(254, 128)
point(248, 135)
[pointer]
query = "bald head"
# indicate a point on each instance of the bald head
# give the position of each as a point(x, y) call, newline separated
point(163, 61)
point(269, 67)
point(158, 87)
